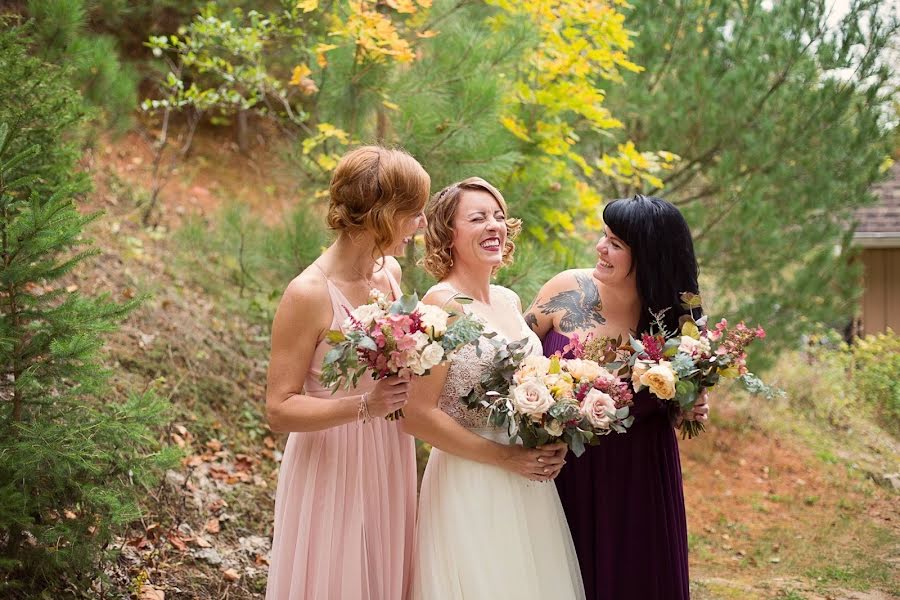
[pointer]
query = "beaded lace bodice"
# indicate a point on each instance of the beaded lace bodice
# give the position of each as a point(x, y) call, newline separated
point(466, 367)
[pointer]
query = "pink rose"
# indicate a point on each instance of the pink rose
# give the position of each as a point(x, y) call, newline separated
point(597, 407)
point(532, 398)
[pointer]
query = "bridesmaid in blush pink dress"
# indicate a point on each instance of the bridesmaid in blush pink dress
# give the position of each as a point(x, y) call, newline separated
point(345, 503)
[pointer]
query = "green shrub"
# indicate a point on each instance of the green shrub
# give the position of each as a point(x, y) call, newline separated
point(245, 262)
point(71, 465)
point(876, 375)
point(835, 378)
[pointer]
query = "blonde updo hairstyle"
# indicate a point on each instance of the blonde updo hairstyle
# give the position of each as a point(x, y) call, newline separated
point(439, 233)
point(373, 189)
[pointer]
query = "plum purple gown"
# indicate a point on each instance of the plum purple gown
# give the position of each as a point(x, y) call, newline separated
point(624, 503)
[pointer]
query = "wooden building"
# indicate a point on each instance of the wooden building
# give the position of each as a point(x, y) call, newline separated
point(878, 235)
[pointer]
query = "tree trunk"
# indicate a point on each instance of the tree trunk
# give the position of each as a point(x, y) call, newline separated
point(242, 132)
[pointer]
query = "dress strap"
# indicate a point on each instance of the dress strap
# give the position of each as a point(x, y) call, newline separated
point(442, 286)
point(338, 308)
point(395, 286)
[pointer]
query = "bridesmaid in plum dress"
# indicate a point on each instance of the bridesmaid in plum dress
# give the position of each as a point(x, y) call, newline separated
point(346, 497)
point(623, 498)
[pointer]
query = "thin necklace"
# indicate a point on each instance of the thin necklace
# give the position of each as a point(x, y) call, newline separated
point(370, 281)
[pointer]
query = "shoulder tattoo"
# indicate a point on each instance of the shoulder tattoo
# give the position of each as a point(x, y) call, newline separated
point(582, 307)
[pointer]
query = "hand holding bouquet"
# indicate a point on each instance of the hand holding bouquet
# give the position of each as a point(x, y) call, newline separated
point(402, 338)
point(543, 400)
point(678, 367)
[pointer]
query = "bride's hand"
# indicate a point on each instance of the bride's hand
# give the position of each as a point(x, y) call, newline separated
point(537, 464)
point(560, 450)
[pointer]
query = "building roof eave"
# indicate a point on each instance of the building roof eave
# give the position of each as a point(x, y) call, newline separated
point(877, 239)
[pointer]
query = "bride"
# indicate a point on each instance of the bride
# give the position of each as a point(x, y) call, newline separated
point(490, 526)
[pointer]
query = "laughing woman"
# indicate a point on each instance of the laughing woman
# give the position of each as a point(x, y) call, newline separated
point(623, 497)
point(490, 522)
point(345, 504)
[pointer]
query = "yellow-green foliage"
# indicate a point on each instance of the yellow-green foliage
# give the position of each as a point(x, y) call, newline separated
point(839, 378)
point(874, 372)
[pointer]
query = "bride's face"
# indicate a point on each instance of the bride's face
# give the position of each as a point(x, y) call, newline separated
point(479, 229)
point(406, 232)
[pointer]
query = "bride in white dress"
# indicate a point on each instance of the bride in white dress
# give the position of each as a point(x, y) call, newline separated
point(490, 525)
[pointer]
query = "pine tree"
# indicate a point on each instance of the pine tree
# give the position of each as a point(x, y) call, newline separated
point(70, 464)
point(108, 84)
point(781, 115)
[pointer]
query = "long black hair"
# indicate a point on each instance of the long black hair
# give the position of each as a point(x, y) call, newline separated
point(662, 255)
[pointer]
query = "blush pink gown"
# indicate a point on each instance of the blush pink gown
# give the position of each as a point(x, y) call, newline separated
point(345, 507)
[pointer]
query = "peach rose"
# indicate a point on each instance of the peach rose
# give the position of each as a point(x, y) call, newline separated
point(661, 380)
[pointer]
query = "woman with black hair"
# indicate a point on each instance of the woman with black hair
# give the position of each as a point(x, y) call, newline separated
point(623, 497)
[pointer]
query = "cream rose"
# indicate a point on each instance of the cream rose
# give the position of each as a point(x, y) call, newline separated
point(693, 347)
point(688, 345)
point(367, 313)
point(533, 365)
point(531, 397)
point(434, 319)
point(595, 407)
point(637, 371)
point(582, 370)
point(554, 428)
point(431, 356)
point(422, 340)
point(661, 380)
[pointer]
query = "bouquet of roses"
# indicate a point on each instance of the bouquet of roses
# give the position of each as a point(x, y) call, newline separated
point(677, 366)
point(543, 400)
point(404, 337)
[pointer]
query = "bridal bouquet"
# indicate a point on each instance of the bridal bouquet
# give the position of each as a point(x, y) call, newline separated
point(677, 366)
point(543, 400)
point(404, 337)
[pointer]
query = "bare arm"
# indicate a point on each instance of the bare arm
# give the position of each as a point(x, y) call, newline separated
point(299, 324)
point(568, 302)
point(426, 421)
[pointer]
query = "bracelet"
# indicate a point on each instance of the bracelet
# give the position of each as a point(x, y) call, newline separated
point(362, 414)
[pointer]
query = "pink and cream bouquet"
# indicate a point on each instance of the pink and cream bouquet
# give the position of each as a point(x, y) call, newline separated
point(543, 400)
point(678, 366)
point(405, 338)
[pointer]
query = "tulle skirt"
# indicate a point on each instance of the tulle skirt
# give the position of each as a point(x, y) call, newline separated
point(484, 533)
point(345, 515)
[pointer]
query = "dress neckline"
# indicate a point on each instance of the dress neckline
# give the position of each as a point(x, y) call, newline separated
point(333, 286)
point(524, 330)
point(452, 288)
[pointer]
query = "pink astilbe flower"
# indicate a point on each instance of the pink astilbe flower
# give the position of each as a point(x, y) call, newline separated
point(415, 322)
point(653, 347)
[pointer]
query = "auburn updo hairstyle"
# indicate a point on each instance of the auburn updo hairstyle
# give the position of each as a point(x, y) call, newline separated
point(374, 189)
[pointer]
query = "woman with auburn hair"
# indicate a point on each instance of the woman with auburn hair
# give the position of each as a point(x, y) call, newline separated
point(623, 497)
point(345, 503)
point(490, 520)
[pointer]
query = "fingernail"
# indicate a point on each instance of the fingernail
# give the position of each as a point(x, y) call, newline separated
point(540, 460)
point(546, 470)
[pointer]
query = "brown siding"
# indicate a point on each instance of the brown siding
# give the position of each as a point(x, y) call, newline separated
point(881, 298)
point(892, 301)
